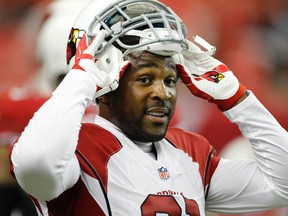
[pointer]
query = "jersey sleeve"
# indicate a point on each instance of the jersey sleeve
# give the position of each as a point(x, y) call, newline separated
point(239, 186)
point(43, 159)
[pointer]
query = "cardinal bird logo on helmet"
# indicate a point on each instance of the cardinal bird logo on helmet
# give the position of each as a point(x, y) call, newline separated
point(74, 35)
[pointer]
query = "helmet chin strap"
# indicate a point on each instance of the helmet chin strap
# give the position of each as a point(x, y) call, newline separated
point(111, 87)
point(195, 51)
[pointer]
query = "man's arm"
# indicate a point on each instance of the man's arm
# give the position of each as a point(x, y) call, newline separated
point(247, 185)
point(43, 158)
point(240, 185)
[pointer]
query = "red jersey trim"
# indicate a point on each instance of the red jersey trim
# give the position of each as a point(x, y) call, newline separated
point(212, 163)
point(199, 149)
point(84, 161)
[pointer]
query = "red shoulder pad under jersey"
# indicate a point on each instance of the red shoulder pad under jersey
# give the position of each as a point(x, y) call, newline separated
point(198, 148)
point(102, 144)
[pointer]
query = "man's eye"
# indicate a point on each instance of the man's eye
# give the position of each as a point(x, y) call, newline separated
point(144, 80)
point(170, 81)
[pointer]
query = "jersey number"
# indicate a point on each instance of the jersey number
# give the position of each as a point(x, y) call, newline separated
point(167, 204)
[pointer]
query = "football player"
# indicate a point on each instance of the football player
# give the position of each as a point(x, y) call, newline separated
point(127, 57)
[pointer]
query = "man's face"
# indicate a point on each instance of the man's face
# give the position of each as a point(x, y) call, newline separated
point(144, 102)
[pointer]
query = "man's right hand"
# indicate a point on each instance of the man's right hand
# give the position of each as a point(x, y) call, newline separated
point(85, 60)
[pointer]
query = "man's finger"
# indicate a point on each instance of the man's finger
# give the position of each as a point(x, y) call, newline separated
point(96, 43)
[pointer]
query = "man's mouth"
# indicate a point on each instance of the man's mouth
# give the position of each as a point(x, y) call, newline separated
point(158, 112)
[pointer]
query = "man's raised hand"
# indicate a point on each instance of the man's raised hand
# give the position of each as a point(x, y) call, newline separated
point(208, 78)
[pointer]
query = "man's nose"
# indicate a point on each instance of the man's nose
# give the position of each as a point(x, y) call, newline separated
point(161, 91)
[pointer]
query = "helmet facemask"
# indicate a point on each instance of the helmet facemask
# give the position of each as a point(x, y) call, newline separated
point(149, 25)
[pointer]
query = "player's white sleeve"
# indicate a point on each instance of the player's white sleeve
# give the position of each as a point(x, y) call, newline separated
point(43, 158)
point(247, 185)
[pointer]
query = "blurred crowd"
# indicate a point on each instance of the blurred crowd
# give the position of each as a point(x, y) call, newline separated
point(251, 38)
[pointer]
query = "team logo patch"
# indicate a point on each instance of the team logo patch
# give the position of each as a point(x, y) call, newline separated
point(213, 76)
point(163, 173)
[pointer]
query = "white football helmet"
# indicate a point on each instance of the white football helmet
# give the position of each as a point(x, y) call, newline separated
point(52, 39)
point(131, 25)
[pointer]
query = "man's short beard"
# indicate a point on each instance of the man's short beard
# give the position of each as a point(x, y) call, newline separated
point(143, 136)
point(134, 130)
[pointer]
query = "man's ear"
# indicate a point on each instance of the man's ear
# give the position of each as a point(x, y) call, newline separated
point(104, 99)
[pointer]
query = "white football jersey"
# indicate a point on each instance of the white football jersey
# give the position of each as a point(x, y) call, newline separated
point(74, 169)
point(130, 182)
